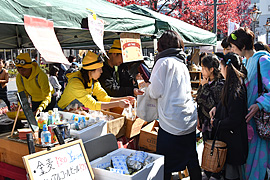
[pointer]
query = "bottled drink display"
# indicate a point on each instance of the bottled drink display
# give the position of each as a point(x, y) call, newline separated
point(45, 136)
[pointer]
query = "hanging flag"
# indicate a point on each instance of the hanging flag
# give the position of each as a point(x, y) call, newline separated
point(41, 33)
point(232, 26)
point(96, 28)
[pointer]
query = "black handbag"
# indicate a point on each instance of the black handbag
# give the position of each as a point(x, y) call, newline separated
point(262, 118)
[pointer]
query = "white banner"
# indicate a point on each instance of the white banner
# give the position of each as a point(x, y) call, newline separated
point(41, 33)
point(96, 28)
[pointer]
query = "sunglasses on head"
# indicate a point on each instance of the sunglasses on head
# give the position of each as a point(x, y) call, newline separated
point(21, 62)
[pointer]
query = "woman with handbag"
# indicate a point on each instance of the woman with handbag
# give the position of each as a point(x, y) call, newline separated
point(242, 41)
point(208, 96)
point(230, 113)
point(170, 85)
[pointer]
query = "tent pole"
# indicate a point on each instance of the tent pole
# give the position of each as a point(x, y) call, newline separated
point(5, 56)
point(155, 44)
point(11, 54)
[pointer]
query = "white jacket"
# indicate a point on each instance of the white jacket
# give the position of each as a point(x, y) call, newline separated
point(170, 84)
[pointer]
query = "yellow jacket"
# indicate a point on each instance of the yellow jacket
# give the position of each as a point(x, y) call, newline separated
point(37, 86)
point(76, 90)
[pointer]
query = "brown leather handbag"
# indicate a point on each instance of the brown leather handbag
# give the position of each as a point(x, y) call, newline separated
point(214, 154)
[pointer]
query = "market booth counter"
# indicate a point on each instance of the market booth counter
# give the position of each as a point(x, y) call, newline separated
point(11, 153)
point(71, 160)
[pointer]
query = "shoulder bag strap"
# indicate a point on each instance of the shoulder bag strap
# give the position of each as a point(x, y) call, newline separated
point(215, 137)
point(260, 88)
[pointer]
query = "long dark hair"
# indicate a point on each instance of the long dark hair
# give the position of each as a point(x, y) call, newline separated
point(53, 70)
point(211, 61)
point(235, 75)
point(170, 39)
point(85, 76)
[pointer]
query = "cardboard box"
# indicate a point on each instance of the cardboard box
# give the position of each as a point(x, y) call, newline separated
point(134, 127)
point(148, 136)
point(90, 132)
point(154, 170)
point(116, 126)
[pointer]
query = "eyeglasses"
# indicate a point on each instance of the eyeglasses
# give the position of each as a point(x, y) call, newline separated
point(21, 62)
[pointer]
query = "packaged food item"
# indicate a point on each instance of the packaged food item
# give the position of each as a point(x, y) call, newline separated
point(119, 162)
point(104, 165)
point(127, 164)
point(148, 160)
point(135, 161)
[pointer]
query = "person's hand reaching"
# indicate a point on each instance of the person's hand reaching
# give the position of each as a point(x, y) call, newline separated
point(123, 103)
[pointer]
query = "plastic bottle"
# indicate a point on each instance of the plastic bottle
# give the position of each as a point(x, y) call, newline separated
point(71, 121)
point(87, 121)
point(42, 119)
point(82, 123)
point(56, 116)
point(50, 117)
point(45, 136)
point(76, 119)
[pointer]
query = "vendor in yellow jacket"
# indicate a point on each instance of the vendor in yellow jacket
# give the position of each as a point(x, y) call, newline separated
point(34, 82)
point(83, 85)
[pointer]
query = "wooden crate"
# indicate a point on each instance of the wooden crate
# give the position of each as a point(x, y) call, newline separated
point(116, 126)
point(11, 152)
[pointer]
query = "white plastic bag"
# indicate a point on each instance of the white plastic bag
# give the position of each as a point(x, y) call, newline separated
point(130, 112)
point(147, 107)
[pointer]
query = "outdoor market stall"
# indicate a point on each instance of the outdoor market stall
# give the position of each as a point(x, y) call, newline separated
point(69, 19)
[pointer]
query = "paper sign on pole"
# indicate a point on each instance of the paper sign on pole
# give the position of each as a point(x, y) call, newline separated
point(41, 33)
point(131, 47)
point(262, 38)
point(96, 28)
point(232, 26)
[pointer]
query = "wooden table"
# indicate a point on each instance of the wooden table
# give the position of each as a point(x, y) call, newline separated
point(11, 152)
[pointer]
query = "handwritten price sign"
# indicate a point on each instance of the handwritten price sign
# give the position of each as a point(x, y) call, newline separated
point(131, 47)
point(65, 162)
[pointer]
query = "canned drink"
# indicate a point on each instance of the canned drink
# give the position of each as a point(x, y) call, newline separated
point(67, 130)
point(62, 130)
point(53, 136)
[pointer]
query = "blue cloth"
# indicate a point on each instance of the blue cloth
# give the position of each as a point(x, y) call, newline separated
point(259, 149)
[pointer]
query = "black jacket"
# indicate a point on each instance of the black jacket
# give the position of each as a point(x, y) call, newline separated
point(208, 96)
point(233, 127)
point(108, 81)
